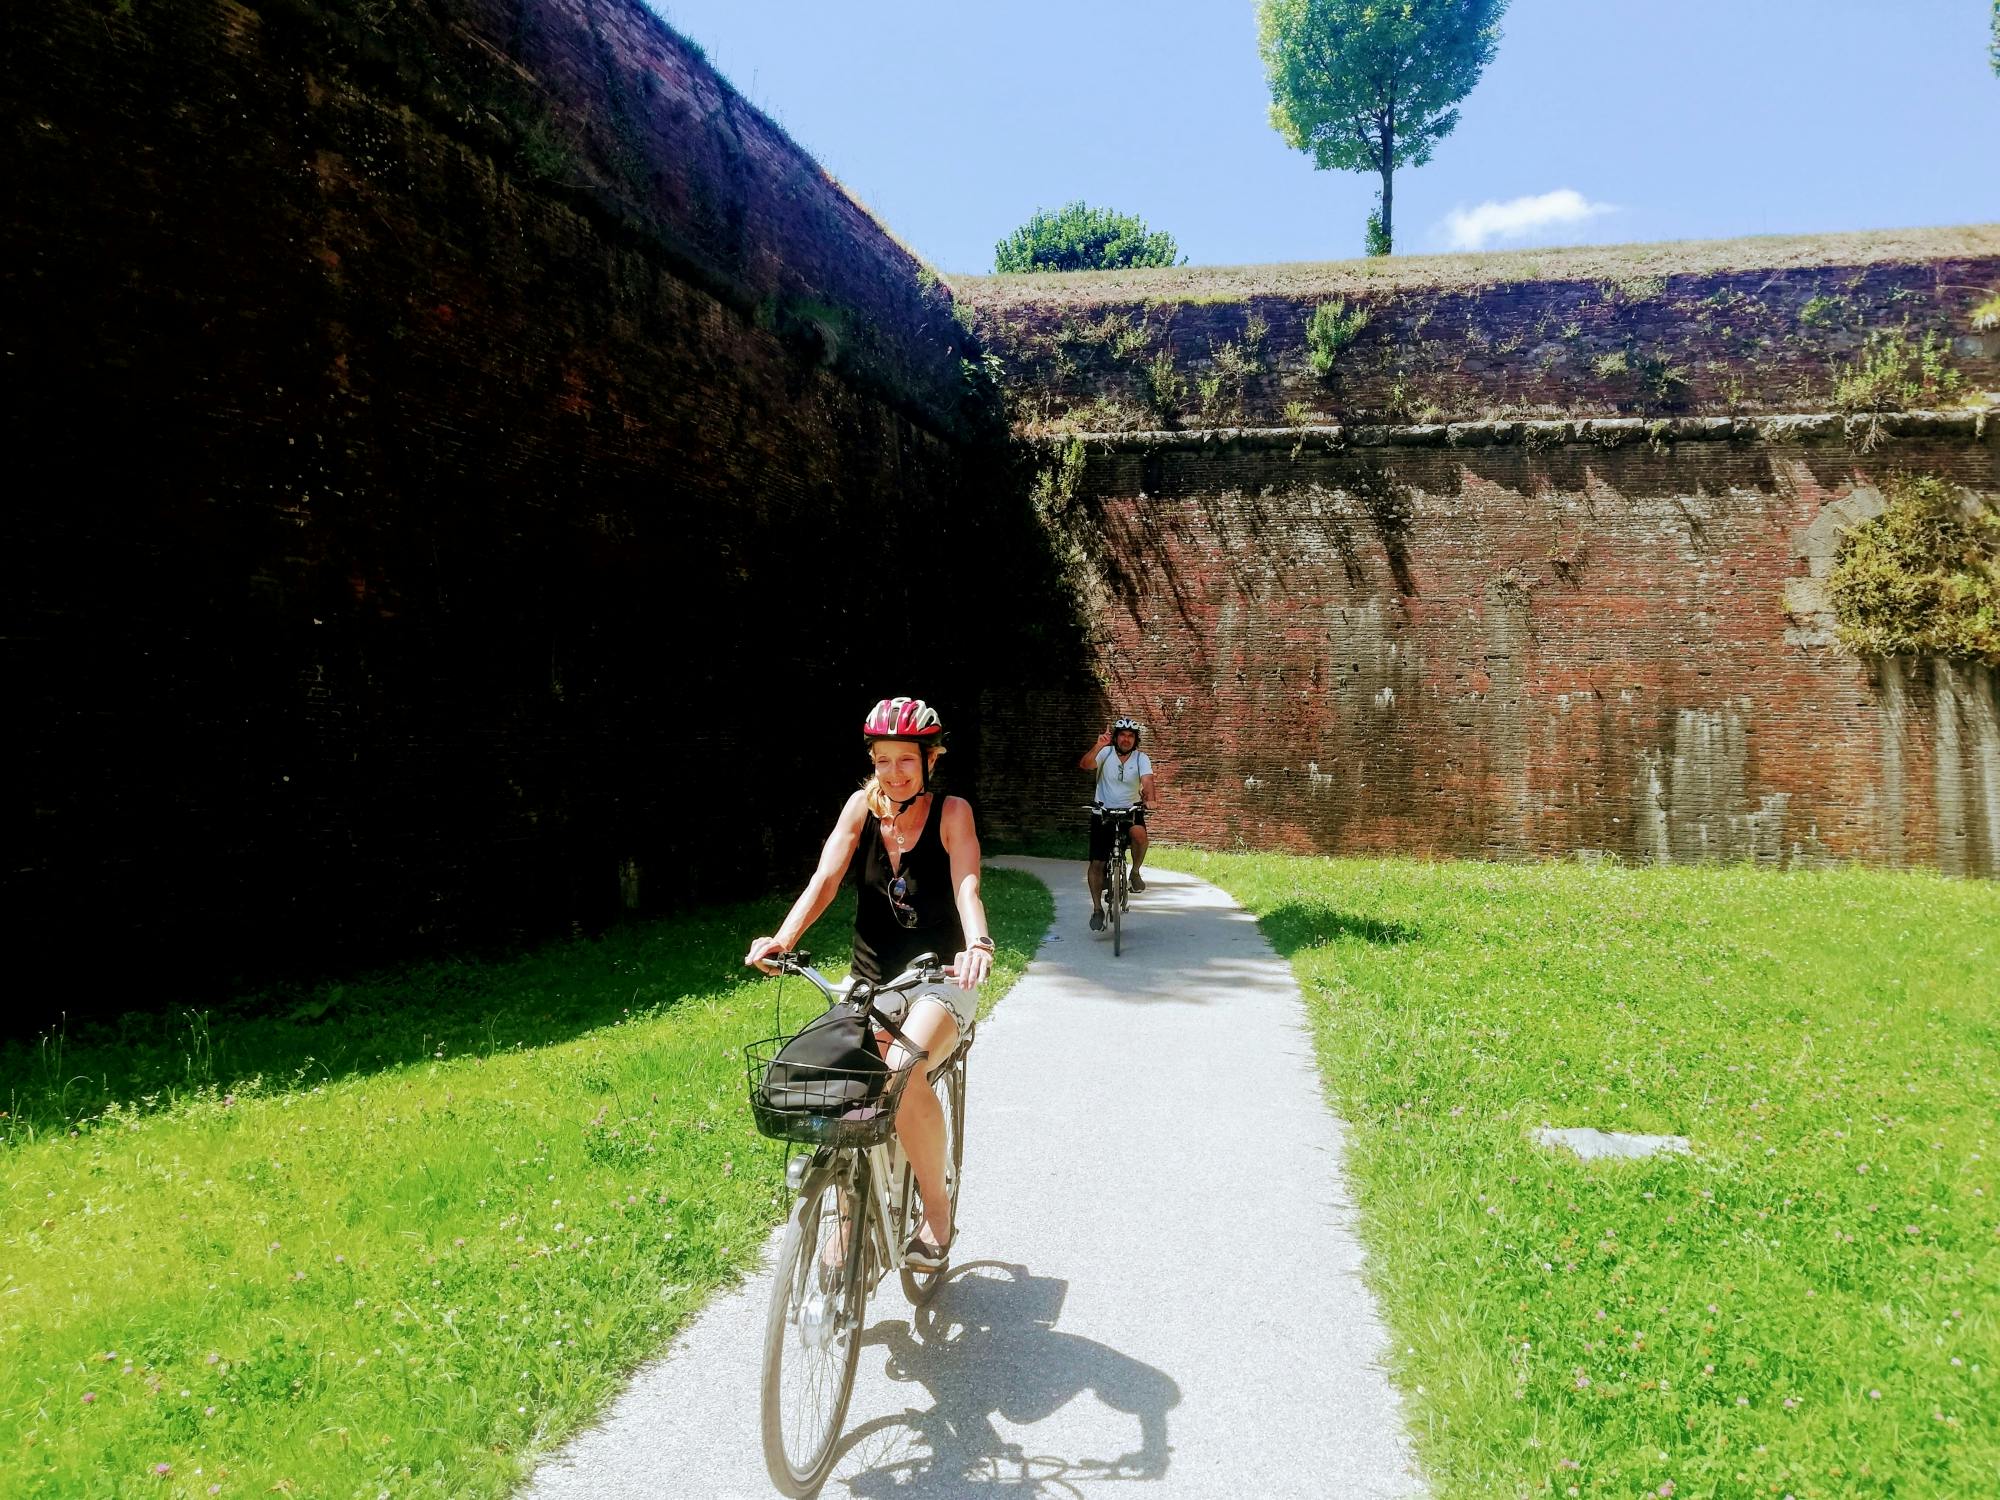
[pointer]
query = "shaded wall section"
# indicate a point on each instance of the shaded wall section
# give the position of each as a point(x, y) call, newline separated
point(1521, 640)
point(470, 473)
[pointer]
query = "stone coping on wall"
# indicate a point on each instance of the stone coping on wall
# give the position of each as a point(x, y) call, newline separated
point(1480, 271)
point(1971, 426)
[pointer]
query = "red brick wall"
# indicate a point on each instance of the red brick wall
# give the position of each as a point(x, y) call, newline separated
point(1739, 341)
point(1518, 641)
point(454, 448)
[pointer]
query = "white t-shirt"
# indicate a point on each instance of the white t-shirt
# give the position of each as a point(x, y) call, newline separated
point(1118, 782)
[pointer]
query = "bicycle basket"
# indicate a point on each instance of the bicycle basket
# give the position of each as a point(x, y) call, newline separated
point(819, 1104)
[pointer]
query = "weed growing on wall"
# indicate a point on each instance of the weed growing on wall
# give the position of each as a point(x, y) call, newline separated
point(1165, 387)
point(1986, 315)
point(1330, 330)
point(1822, 312)
point(1922, 577)
point(1076, 540)
point(1892, 373)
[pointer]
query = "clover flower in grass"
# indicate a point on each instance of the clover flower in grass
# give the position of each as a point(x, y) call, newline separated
point(91, 1396)
point(163, 1469)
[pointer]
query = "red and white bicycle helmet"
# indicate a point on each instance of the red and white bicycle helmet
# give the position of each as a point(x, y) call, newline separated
point(903, 719)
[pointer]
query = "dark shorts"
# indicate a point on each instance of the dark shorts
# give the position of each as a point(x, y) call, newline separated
point(1100, 836)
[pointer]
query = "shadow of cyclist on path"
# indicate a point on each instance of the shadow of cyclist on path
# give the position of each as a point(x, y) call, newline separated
point(985, 1346)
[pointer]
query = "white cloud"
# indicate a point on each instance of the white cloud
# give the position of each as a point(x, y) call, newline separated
point(1517, 218)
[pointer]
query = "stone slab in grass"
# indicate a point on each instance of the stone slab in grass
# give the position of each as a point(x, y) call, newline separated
point(1591, 1144)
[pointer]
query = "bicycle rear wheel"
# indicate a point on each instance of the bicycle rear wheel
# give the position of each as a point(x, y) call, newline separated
point(949, 1086)
point(812, 1336)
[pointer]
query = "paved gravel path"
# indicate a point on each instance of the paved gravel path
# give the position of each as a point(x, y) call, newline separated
point(1156, 1290)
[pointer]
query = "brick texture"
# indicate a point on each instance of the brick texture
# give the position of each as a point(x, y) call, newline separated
point(1577, 639)
point(459, 453)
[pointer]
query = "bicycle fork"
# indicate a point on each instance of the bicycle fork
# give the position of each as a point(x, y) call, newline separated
point(822, 1312)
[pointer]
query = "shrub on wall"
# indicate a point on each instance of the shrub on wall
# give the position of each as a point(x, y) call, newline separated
point(1893, 374)
point(1330, 330)
point(1922, 577)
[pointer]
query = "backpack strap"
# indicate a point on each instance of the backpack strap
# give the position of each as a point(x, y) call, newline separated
point(868, 1009)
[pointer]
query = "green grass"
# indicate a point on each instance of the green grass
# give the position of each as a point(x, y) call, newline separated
point(1803, 1306)
point(401, 1237)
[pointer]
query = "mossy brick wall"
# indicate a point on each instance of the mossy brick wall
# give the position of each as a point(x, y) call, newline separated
point(1704, 341)
point(1601, 638)
point(459, 454)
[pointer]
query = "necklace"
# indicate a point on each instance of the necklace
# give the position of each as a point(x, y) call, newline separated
point(895, 822)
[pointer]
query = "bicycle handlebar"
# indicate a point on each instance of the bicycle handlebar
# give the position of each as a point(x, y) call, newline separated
point(928, 969)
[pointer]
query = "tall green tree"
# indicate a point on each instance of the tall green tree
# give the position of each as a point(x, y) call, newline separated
point(1373, 85)
point(1077, 237)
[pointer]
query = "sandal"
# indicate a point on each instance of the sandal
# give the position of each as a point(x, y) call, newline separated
point(922, 1255)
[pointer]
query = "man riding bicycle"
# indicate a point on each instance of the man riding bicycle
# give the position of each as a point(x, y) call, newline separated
point(1124, 779)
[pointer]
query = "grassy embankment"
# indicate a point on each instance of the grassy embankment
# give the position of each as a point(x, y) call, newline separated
point(1805, 1305)
point(397, 1237)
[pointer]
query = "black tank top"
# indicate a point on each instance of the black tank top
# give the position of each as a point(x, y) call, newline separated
point(883, 946)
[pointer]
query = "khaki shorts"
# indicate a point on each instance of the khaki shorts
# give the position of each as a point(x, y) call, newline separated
point(963, 1004)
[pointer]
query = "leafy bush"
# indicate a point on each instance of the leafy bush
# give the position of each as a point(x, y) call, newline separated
point(1330, 330)
point(1166, 387)
point(1077, 237)
point(1893, 374)
point(1924, 576)
point(1375, 238)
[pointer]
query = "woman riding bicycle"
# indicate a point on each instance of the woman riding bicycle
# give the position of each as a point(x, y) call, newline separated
point(915, 856)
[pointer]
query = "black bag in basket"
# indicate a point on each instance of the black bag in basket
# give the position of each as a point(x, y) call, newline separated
point(831, 1066)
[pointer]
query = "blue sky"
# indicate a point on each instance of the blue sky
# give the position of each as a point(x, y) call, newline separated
point(1674, 119)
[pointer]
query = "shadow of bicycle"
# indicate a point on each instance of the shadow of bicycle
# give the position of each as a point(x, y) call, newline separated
point(985, 1348)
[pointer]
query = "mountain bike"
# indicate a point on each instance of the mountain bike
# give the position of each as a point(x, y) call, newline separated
point(1117, 876)
point(857, 1208)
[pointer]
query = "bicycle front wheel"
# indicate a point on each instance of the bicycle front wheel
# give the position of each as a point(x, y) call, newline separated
point(949, 1086)
point(812, 1336)
point(1115, 899)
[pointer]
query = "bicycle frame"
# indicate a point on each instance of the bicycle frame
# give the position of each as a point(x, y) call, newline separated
point(886, 1159)
point(814, 1329)
point(1117, 896)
